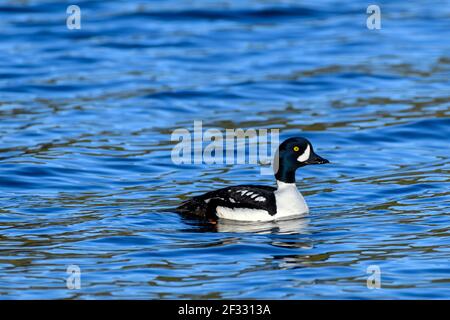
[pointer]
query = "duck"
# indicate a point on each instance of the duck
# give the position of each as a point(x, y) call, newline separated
point(259, 202)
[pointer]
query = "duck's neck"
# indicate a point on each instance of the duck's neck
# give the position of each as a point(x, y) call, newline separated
point(285, 175)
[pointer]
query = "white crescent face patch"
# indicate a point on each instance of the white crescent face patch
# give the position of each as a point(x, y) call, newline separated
point(305, 155)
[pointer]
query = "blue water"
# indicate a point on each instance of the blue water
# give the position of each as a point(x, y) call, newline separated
point(86, 176)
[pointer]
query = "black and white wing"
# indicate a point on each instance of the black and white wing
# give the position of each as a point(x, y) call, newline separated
point(243, 196)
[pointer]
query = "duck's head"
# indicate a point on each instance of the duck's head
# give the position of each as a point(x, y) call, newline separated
point(292, 154)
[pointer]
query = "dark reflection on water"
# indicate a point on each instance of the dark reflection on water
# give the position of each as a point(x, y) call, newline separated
point(86, 176)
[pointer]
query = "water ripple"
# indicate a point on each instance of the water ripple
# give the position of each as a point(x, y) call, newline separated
point(86, 176)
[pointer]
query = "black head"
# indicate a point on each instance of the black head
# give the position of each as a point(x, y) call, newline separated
point(292, 154)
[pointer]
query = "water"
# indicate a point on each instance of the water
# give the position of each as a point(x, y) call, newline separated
point(86, 176)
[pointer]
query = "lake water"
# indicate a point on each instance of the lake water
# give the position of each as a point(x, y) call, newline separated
point(86, 176)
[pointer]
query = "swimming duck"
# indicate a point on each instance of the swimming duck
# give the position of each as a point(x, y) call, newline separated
point(260, 203)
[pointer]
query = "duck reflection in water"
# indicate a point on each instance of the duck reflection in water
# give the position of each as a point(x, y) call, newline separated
point(282, 226)
point(287, 226)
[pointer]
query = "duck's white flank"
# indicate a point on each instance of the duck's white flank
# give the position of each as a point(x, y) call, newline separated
point(242, 214)
point(289, 202)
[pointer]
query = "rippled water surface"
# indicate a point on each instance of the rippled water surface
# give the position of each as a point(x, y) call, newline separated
point(86, 176)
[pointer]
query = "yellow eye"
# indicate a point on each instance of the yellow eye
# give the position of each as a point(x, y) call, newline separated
point(296, 148)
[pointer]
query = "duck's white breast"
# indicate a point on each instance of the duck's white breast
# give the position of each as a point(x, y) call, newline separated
point(289, 201)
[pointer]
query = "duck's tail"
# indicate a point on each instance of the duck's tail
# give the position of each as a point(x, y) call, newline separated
point(194, 206)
